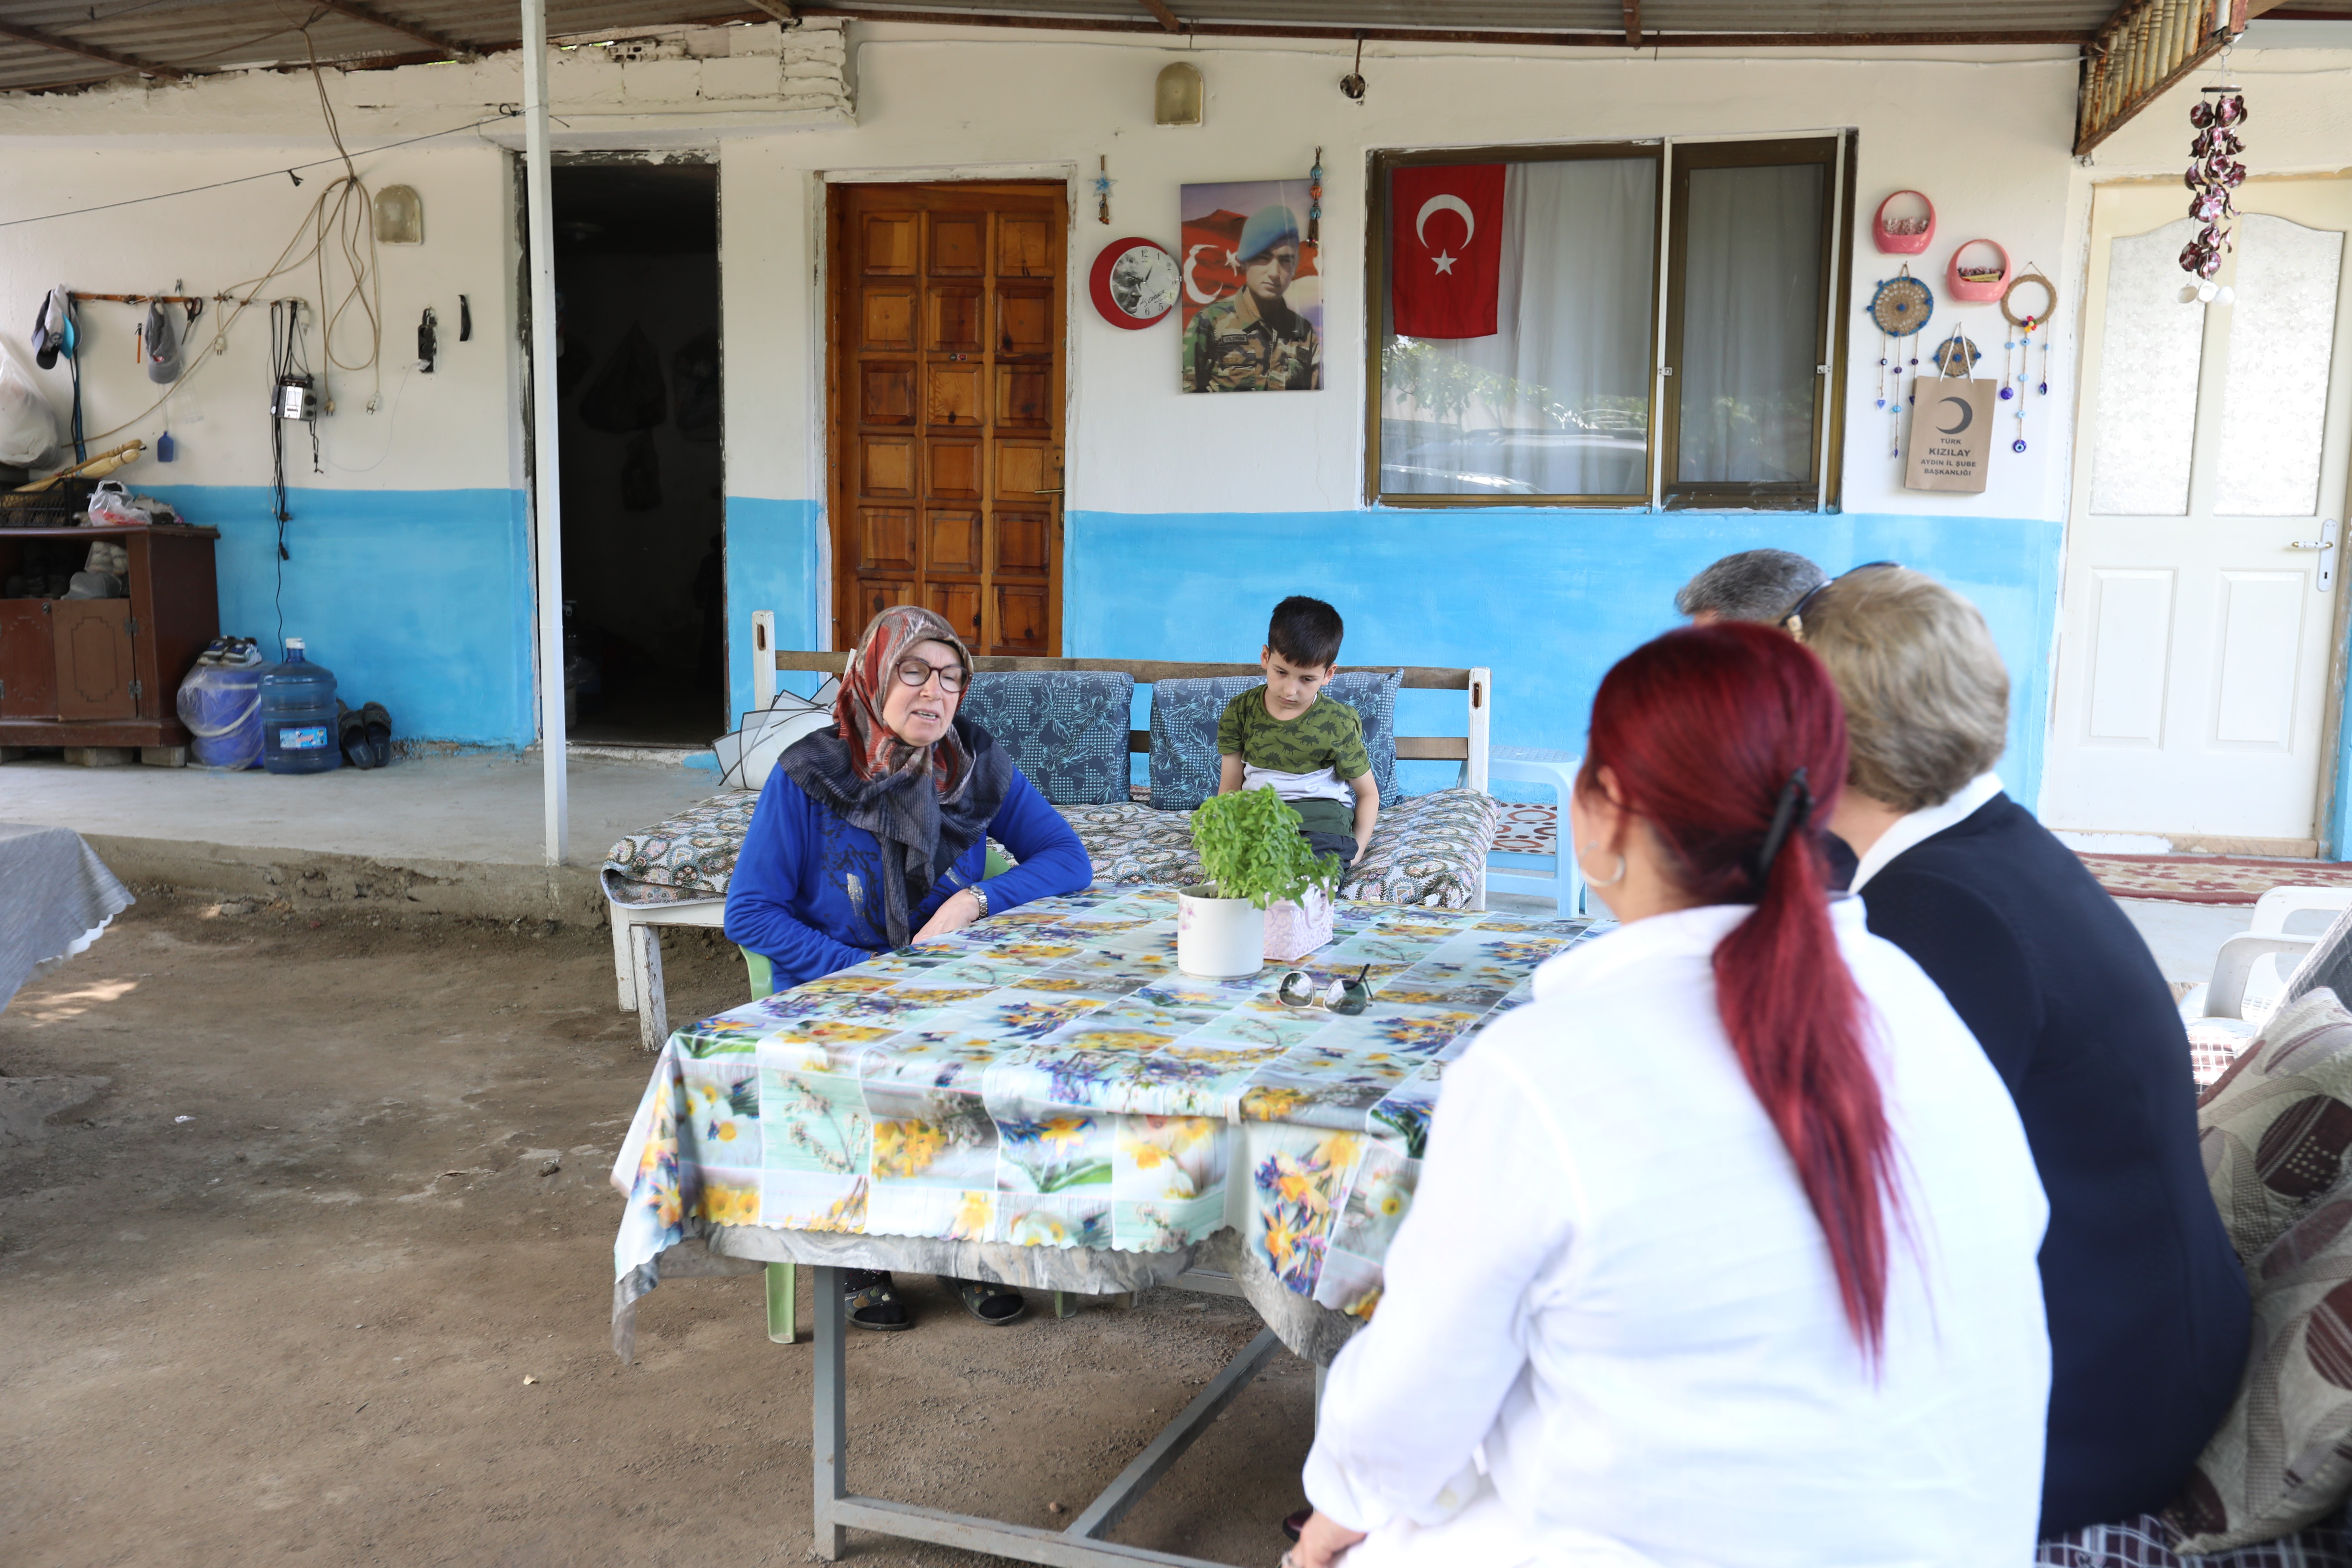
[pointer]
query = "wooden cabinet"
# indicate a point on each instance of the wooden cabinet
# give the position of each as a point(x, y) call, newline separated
point(107, 672)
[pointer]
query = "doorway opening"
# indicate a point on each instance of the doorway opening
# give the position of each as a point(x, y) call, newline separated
point(639, 406)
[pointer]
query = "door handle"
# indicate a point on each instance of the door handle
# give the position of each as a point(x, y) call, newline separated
point(2310, 544)
point(2324, 577)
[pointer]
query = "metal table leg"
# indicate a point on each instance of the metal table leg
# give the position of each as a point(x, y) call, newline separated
point(1079, 1546)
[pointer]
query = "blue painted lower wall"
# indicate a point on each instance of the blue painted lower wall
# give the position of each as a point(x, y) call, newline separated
point(1547, 599)
point(417, 599)
point(771, 564)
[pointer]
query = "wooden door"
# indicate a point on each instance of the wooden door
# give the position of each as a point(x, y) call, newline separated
point(28, 660)
point(95, 680)
point(2202, 566)
point(948, 359)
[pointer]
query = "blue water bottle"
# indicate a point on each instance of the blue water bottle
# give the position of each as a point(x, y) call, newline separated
point(298, 715)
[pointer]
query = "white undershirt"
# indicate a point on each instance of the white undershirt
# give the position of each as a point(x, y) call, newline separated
point(1919, 826)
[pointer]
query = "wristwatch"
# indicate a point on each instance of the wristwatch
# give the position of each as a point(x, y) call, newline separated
point(979, 897)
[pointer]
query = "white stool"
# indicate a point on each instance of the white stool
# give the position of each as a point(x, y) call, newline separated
point(1533, 764)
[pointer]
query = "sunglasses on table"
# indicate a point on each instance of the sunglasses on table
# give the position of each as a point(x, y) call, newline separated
point(1793, 623)
point(1345, 997)
point(914, 672)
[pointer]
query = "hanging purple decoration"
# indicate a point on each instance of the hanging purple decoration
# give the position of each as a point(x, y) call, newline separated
point(2213, 172)
point(1314, 202)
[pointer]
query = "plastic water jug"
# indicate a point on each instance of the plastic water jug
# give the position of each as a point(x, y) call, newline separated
point(220, 703)
point(298, 715)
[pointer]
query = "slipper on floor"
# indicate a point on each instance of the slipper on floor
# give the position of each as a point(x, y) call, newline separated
point(872, 1303)
point(1293, 1523)
point(379, 732)
point(978, 1296)
point(350, 734)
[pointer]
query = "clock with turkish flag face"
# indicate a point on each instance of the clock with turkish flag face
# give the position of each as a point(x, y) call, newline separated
point(1134, 283)
point(1445, 249)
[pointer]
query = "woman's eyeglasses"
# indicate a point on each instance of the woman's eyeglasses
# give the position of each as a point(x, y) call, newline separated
point(1793, 623)
point(914, 672)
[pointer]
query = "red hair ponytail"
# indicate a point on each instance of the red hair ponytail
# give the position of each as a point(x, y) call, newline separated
point(1704, 732)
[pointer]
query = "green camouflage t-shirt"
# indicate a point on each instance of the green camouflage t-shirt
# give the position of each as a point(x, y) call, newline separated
point(1306, 760)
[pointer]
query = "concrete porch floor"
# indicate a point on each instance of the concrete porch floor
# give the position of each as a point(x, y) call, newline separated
point(450, 835)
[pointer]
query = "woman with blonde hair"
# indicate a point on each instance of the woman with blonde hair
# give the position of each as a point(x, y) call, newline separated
point(1723, 1248)
point(2149, 1312)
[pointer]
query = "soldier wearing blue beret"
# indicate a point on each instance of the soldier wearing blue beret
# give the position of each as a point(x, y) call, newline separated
point(1253, 341)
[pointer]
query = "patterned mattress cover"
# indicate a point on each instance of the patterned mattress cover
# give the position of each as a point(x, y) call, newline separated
point(1429, 849)
point(2147, 1543)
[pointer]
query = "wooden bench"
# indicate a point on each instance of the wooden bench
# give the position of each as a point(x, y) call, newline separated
point(636, 929)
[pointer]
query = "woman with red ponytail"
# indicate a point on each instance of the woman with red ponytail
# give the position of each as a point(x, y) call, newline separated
point(1723, 1250)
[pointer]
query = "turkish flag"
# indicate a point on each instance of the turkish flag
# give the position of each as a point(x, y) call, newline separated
point(1445, 249)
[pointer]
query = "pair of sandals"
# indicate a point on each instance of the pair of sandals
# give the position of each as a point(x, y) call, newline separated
point(364, 734)
point(872, 1301)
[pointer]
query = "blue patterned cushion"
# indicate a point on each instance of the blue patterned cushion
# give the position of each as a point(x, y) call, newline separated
point(1066, 729)
point(1184, 715)
point(1374, 698)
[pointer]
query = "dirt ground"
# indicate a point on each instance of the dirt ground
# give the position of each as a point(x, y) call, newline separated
point(283, 1281)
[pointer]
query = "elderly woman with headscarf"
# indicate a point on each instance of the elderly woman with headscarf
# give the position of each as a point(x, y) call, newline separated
point(874, 834)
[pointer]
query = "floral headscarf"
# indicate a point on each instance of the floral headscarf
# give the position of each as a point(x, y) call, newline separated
point(875, 750)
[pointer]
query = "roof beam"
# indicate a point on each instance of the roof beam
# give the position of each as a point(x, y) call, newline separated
point(1632, 23)
point(2144, 48)
point(2067, 37)
point(778, 10)
point(64, 45)
point(1162, 15)
point(392, 23)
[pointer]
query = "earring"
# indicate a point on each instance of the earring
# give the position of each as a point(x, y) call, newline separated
point(1593, 881)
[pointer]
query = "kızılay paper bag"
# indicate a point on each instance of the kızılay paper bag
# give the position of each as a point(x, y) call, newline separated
point(1951, 434)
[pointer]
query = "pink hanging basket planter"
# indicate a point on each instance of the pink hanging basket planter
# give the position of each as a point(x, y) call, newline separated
point(1904, 236)
point(1983, 288)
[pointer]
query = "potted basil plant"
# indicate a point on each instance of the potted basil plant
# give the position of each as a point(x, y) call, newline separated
point(1267, 895)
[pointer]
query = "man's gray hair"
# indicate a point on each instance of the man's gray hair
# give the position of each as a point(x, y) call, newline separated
point(1753, 585)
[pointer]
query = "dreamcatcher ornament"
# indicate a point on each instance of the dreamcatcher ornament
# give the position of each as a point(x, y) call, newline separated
point(2213, 172)
point(1899, 308)
point(2020, 339)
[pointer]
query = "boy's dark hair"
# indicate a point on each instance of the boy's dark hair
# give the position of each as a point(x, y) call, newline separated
point(1305, 631)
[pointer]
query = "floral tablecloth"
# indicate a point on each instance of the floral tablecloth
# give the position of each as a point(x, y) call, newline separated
point(1048, 1078)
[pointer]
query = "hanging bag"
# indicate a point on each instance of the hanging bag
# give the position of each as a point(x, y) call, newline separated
point(1951, 432)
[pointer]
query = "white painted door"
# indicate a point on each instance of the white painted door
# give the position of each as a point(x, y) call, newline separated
point(2200, 604)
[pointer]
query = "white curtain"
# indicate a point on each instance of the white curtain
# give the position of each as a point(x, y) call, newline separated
point(1556, 403)
point(1751, 325)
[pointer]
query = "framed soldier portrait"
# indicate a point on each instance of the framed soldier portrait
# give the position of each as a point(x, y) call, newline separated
point(1251, 294)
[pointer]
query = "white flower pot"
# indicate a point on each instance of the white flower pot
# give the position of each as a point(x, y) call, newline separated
point(1294, 930)
point(1218, 938)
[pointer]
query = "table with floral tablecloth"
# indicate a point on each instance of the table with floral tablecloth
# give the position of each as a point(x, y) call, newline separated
point(1048, 1078)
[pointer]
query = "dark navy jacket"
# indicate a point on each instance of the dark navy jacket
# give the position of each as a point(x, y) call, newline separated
point(2149, 1318)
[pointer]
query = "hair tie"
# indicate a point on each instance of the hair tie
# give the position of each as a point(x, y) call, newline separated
point(1795, 805)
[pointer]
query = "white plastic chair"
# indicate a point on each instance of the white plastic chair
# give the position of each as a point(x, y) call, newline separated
point(2224, 996)
point(1534, 764)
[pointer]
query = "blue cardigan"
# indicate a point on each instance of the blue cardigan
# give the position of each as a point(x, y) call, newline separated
point(2150, 1320)
point(799, 894)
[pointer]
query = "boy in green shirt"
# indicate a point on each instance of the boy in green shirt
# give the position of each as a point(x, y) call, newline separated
point(1285, 735)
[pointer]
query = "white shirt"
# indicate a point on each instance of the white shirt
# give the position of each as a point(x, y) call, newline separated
point(1925, 824)
point(1611, 1283)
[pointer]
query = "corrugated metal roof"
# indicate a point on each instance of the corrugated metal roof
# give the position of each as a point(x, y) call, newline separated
point(36, 37)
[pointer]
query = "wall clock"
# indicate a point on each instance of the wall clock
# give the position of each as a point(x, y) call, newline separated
point(1134, 283)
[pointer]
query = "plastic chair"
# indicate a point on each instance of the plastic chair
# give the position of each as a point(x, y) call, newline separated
point(1533, 764)
point(2224, 996)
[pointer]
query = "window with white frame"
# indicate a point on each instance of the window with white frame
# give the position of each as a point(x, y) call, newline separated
point(1517, 350)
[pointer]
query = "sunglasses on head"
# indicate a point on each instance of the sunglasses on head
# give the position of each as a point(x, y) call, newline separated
point(1793, 623)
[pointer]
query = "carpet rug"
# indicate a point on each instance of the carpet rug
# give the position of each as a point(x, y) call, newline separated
point(2209, 879)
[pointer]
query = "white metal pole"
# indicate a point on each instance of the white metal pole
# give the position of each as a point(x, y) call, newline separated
point(547, 488)
point(1830, 324)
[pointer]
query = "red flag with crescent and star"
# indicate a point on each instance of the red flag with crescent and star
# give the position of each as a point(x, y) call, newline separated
point(1445, 249)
